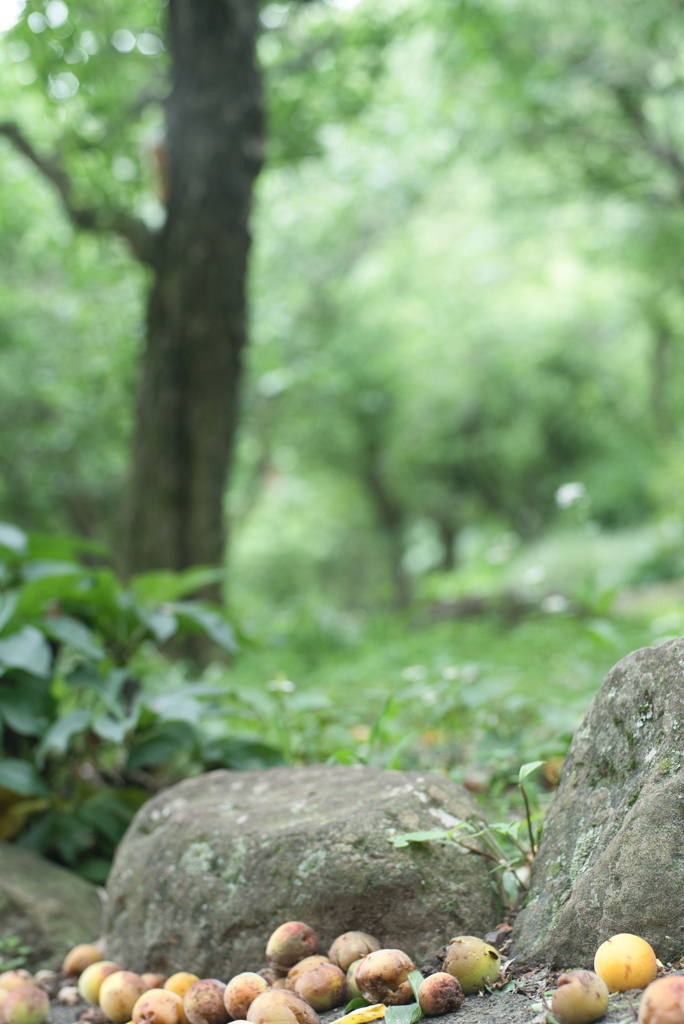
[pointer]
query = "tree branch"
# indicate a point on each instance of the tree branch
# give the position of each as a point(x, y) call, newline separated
point(142, 241)
point(667, 154)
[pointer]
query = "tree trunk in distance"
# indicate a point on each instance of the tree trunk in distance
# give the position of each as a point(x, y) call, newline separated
point(196, 320)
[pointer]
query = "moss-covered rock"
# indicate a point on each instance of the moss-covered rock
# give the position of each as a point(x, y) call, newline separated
point(209, 868)
point(611, 858)
point(48, 907)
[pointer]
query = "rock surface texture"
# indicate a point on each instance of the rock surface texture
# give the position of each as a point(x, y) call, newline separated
point(611, 858)
point(49, 908)
point(210, 867)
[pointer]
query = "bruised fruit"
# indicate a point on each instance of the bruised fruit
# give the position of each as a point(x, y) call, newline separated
point(158, 1006)
point(625, 961)
point(241, 991)
point(180, 983)
point(440, 993)
point(204, 1003)
point(663, 1001)
point(119, 993)
point(78, 958)
point(580, 998)
point(151, 980)
point(382, 977)
point(290, 943)
point(269, 975)
point(350, 947)
point(352, 988)
point(11, 979)
point(304, 965)
point(323, 986)
point(281, 1007)
point(92, 977)
point(26, 1004)
point(472, 962)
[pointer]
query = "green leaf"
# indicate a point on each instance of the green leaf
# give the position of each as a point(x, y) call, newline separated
point(60, 733)
point(28, 650)
point(12, 538)
point(356, 1004)
point(208, 621)
point(407, 1014)
point(527, 769)
point(24, 710)
point(71, 631)
point(8, 605)
point(161, 744)
point(21, 777)
point(113, 729)
point(160, 624)
point(45, 568)
point(170, 586)
point(419, 837)
point(416, 980)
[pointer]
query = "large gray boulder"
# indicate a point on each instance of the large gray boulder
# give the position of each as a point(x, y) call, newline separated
point(611, 858)
point(47, 907)
point(209, 868)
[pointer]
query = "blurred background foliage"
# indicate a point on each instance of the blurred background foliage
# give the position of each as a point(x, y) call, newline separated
point(458, 495)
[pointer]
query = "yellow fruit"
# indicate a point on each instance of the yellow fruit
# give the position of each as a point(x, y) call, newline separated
point(92, 977)
point(119, 993)
point(581, 997)
point(625, 961)
point(663, 1001)
point(180, 983)
point(80, 957)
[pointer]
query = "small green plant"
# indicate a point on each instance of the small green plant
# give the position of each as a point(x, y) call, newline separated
point(13, 952)
point(511, 846)
point(87, 732)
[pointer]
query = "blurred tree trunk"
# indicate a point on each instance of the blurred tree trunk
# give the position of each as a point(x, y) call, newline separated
point(196, 320)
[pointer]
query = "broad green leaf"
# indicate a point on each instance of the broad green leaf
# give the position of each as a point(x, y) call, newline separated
point(416, 980)
point(71, 631)
point(12, 538)
point(45, 568)
point(60, 733)
point(8, 605)
point(420, 837)
point(28, 650)
point(208, 621)
point(161, 624)
point(63, 549)
point(21, 777)
point(527, 769)
point(407, 1014)
point(113, 729)
point(170, 586)
point(23, 709)
point(161, 744)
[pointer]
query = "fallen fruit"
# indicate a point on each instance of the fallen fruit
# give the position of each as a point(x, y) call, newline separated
point(78, 958)
point(581, 997)
point(663, 1001)
point(158, 1006)
point(180, 983)
point(92, 977)
point(625, 961)
point(11, 979)
point(352, 946)
point(26, 1004)
point(119, 992)
point(204, 1003)
point(323, 986)
point(281, 1007)
point(304, 965)
point(440, 993)
point(269, 974)
point(241, 991)
point(472, 962)
point(290, 943)
point(151, 980)
point(352, 988)
point(382, 977)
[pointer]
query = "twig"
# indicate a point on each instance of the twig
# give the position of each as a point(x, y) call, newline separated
point(142, 241)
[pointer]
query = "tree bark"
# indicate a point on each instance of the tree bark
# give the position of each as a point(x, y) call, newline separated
point(196, 322)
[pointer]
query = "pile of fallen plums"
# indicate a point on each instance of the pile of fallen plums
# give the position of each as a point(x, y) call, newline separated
point(299, 983)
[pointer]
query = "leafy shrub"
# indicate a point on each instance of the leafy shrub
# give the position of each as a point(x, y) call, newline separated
point(85, 733)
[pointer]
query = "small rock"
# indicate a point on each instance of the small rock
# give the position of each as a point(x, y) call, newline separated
point(69, 995)
point(499, 936)
point(94, 1015)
